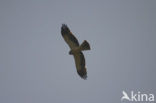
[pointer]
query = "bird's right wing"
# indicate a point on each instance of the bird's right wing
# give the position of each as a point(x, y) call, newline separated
point(80, 65)
point(69, 37)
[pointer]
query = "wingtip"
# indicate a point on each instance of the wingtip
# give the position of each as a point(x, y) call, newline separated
point(64, 29)
point(84, 77)
point(83, 74)
point(63, 25)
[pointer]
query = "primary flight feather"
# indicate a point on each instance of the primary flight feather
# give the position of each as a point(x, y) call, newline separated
point(76, 50)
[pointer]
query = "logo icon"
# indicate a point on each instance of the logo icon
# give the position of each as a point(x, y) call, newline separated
point(125, 96)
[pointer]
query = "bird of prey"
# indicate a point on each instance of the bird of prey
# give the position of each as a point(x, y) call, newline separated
point(76, 50)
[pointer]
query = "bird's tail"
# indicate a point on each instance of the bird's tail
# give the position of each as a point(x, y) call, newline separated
point(85, 45)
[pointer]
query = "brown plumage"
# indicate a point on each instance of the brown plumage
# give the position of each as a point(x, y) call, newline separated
point(76, 50)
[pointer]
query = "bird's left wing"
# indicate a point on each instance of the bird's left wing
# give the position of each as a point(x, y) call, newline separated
point(80, 65)
point(69, 37)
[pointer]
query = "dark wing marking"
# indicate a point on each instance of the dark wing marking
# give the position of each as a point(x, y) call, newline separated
point(69, 37)
point(80, 65)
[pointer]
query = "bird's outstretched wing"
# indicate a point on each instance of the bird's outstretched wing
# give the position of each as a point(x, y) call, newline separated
point(69, 37)
point(80, 65)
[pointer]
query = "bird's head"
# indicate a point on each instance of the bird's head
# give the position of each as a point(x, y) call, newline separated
point(70, 52)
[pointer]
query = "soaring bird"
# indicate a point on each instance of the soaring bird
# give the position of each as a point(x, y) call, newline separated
point(76, 50)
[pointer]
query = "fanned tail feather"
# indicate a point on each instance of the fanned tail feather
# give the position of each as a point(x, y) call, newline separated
point(85, 45)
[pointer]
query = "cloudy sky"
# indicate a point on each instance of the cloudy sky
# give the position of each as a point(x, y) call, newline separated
point(34, 63)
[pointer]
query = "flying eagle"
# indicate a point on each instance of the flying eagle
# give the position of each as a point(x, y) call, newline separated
point(76, 50)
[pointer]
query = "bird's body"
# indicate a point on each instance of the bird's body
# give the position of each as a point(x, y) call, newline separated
point(76, 50)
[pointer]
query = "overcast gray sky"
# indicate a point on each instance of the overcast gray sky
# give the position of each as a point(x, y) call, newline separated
point(34, 63)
